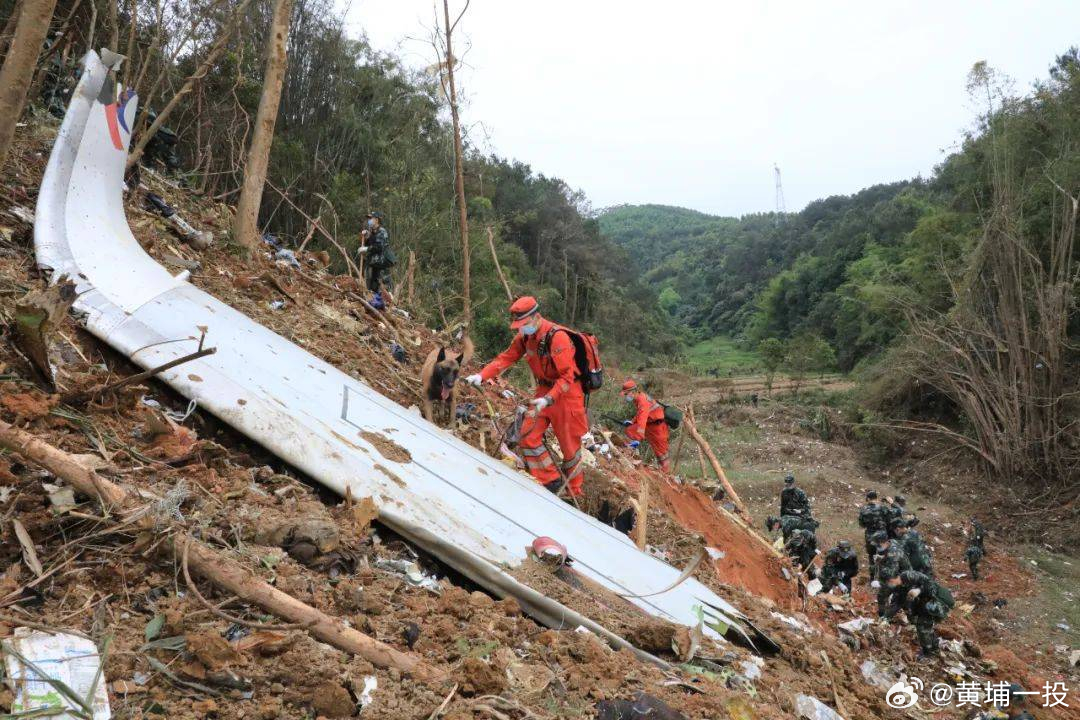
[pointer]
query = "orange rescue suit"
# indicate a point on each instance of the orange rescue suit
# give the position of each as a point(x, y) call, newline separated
point(551, 358)
point(649, 425)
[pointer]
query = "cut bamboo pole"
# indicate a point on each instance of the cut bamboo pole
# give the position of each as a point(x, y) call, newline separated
point(216, 566)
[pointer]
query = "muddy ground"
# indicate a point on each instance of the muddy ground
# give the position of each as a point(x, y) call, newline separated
point(174, 654)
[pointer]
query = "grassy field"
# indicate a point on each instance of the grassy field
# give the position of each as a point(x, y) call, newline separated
point(724, 355)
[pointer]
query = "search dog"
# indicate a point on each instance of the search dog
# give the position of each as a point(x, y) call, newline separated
point(438, 379)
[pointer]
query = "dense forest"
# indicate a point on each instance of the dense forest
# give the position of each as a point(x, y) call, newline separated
point(357, 131)
point(850, 268)
point(954, 293)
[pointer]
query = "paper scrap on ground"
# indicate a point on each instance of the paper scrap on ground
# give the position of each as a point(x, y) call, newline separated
point(71, 659)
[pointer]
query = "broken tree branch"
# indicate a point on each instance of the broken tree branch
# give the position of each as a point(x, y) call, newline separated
point(218, 568)
point(87, 395)
point(498, 265)
point(691, 427)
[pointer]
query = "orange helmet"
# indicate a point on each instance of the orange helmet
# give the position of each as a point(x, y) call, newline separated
point(522, 309)
point(629, 385)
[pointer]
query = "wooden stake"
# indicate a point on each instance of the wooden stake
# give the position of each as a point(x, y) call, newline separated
point(215, 566)
point(641, 519)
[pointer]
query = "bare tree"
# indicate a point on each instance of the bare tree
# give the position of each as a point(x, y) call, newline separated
point(212, 55)
point(246, 224)
point(18, 69)
point(459, 169)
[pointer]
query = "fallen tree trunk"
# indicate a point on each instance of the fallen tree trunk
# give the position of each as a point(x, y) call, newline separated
point(216, 566)
point(691, 427)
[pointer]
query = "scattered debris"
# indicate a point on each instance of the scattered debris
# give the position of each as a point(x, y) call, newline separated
point(876, 676)
point(642, 706)
point(55, 670)
point(36, 316)
point(813, 709)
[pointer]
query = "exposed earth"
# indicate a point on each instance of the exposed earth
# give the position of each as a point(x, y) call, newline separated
point(174, 655)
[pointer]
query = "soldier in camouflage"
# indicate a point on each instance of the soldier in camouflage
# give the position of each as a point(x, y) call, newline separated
point(974, 555)
point(802, 547)
point(790, 523)
point(793, 500)
point(379, 258)
point(894, 514)
point(891, 563)
point(929, 603)
point(918, 554)
point(871, 519)
point(841, 565)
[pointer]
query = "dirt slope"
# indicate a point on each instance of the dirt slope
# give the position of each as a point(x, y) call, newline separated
point(326, 553)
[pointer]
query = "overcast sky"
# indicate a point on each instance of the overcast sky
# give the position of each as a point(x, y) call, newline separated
point(690, 103)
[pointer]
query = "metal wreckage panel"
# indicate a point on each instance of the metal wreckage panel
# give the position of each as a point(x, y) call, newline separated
point(467, 509)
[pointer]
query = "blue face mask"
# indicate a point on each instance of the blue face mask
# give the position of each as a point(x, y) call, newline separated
point(527, 329)
point(629, 398)
point(371, 222)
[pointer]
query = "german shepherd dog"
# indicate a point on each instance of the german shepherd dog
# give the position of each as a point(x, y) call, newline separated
point(438, 379)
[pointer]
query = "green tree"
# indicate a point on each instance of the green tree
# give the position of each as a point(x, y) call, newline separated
point(773, 353)
point(807, 353)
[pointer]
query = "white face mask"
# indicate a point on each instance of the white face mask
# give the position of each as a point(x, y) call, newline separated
point(628, 398)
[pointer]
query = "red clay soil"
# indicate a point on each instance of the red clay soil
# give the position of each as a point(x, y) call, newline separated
point(747, 562)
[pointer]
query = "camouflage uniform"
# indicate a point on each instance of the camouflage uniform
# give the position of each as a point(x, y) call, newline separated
point(894, 517)
point(841, 564)
point(928, 609)
point(974, 555)
point(891, 563)
point(380, 258)
point(801, 547)
point(917, 552)
point(871, 519)
point(790, 523)
point(793, 501)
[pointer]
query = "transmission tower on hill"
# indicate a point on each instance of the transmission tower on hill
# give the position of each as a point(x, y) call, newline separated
point(780, 210)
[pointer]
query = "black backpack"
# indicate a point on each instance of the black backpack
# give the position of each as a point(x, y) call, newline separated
point(586, 357)
point(673, 416)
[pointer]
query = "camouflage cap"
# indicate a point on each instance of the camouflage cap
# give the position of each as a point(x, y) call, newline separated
point(871, 494)
point(845, 544)
point(789, 479)
point(879, 536)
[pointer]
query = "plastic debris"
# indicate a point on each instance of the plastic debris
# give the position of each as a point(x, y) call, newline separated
point(412, 572)
point(857, 625)
point(813, 709)
point(876, 676)
point(276, 304)
point(64, 663)
point(397, 352)
point(787, 620)
point(62, 499)
point(813, 587)
point(751, 669)
point(364, 697)
point(288, 257)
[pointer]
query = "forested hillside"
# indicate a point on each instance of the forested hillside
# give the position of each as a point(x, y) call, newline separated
point(356, 131)
point(850, 268)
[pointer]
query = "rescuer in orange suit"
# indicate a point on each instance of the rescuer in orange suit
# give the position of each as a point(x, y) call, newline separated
point(559, 400)
point(648, 423)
